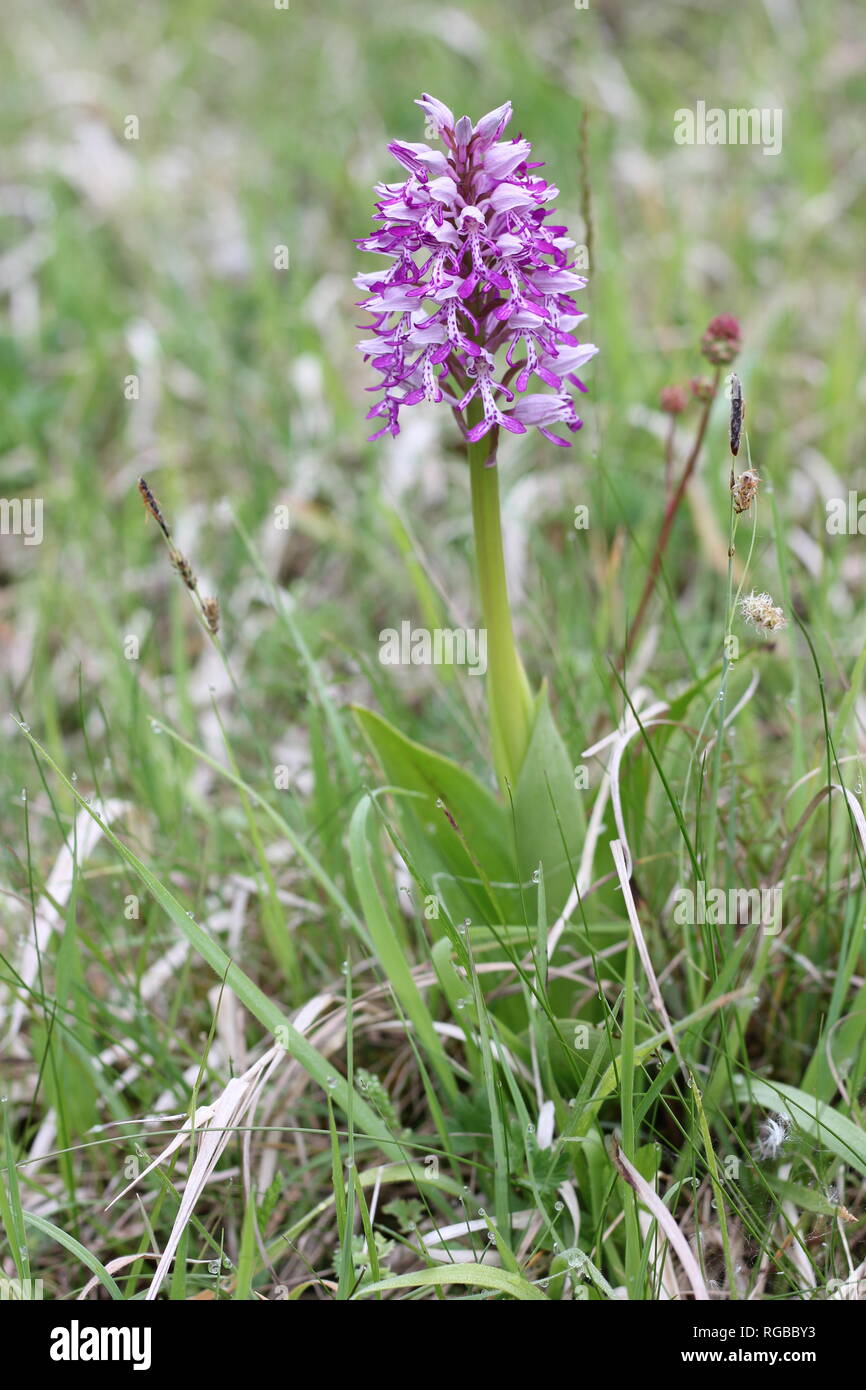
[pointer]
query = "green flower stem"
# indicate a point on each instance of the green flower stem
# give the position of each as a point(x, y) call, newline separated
point(509, 696)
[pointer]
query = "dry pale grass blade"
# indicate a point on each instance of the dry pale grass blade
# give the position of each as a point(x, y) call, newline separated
point(608, 788)
point(152, 984)
point(213, 1125)
point(662, 1268)
point(568, 1194)
point(797, 1254)
point(112, 1267)
point(640, 941)
point(853, 1288)
point(657, 1208)
point(49, 909)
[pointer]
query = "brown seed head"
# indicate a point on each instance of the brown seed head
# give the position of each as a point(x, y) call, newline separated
point(744, 490)
point(210, 607)
point(183, 567)
point(153, 507)
point(738, 412)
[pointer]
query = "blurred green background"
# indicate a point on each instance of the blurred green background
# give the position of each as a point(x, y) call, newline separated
point(146, 266)
point(146, 328)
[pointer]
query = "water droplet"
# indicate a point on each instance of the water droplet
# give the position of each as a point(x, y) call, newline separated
point(439, 803)
point(74, 777)
point(536, 875)
point(332, 1082)
point(25, 728)
point(559, 1206)
point(530, 1129)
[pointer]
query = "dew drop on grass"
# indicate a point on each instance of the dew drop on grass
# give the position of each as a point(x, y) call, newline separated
point(536, 875)
point(74, 777)
point(559, 1206)
point(530, 1129)
point(332, 1082)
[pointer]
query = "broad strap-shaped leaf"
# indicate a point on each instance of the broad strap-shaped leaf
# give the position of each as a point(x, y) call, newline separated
point(548, 814)
point(453, 824)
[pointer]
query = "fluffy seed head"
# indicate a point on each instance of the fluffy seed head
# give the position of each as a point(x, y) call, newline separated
point(744, 489)
point(773, 1135)
point(762, 614)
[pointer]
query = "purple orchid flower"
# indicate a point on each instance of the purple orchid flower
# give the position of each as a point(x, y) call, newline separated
point(475, 269)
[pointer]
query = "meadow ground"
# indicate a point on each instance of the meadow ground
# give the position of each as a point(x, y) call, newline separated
point(417, 1066)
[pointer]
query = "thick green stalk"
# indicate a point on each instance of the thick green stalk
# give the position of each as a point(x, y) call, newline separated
point(509, 697)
